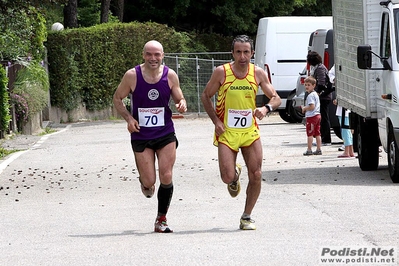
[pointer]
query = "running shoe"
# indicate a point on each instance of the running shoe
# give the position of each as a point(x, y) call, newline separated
point(247, 224)
point(161, 225)
point(148, 192)
point(234, 187)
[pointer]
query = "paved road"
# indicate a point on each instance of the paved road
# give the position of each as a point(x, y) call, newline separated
point(73, 198)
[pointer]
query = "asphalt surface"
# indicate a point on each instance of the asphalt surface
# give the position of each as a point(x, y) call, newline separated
point(73, 198)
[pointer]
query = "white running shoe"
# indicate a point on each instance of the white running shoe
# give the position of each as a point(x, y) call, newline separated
point(148, 192)
point(161, 225)
point(247, 224)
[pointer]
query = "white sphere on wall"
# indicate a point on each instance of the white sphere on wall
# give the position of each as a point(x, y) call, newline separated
point(57, 26)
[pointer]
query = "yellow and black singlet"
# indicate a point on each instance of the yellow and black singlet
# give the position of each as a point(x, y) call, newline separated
point(236, 100)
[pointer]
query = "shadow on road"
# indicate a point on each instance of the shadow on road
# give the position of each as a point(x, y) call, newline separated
point(350, 176)
point(137, 233)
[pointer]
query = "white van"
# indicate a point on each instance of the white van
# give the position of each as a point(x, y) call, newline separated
point(281, 43)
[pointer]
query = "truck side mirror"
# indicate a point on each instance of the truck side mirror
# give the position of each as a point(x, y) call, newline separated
point(387, 63)
point(364, 56)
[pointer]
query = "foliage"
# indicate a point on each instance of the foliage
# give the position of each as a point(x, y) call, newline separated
point(39, 35)
point(4, 152)
point(127, 102)
point(88, 13)
point(212, 42)
point(11, 46)
point(21, 107)
point(53, 13)
point(5, 117)
point(23, 32)
point(31, 85)
point(47, 130)
point(26, 3)
point(229, 17)
point(235, 16)
point(87, 64)
point(313, 8)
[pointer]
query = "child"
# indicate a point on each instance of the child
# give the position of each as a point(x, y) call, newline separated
point(346, 133)
point(313, 117)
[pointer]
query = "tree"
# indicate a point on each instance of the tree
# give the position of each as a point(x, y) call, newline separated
point(228, 17)
point(105, 4)
point(71, 14)
point(313, 8)
point(119, 9)
point(171, 12)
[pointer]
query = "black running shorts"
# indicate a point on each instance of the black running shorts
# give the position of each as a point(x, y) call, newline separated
point(154, 144)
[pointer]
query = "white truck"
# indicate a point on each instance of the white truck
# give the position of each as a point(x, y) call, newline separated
point(281, 47)
point(366, 51)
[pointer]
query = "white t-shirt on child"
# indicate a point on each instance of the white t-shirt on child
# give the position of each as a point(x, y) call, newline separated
point(313, 98)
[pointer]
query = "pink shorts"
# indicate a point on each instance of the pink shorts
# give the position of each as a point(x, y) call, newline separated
point(313, 126)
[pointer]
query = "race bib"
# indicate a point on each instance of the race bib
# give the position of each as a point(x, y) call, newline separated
point(239, 118)
point(151, 117)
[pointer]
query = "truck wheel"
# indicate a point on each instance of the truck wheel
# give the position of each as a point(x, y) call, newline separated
point(393, 157)
point(368, 144)
point(295, 114)
point(285, 115)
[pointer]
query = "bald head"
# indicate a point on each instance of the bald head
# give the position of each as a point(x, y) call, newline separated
point(153, 54)
point(151, 45)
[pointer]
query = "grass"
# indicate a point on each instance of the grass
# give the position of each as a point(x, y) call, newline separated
point(5, 152)
point(47, 130)
point(113, 118)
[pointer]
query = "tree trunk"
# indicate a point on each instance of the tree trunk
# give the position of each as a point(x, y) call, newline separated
point(104, 10)
point(119, 9)
point(71, 14)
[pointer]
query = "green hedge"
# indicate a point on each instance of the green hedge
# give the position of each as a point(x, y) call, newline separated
point(22, 33)
point(87, 64)
point(5, 117)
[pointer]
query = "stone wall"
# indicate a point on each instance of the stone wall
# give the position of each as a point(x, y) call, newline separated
point(33, 126)
point(57, 115)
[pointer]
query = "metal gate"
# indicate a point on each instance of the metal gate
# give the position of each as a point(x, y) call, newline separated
point(194, 71)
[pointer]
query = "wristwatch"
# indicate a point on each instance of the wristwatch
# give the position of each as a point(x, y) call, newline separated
point(269, 108)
